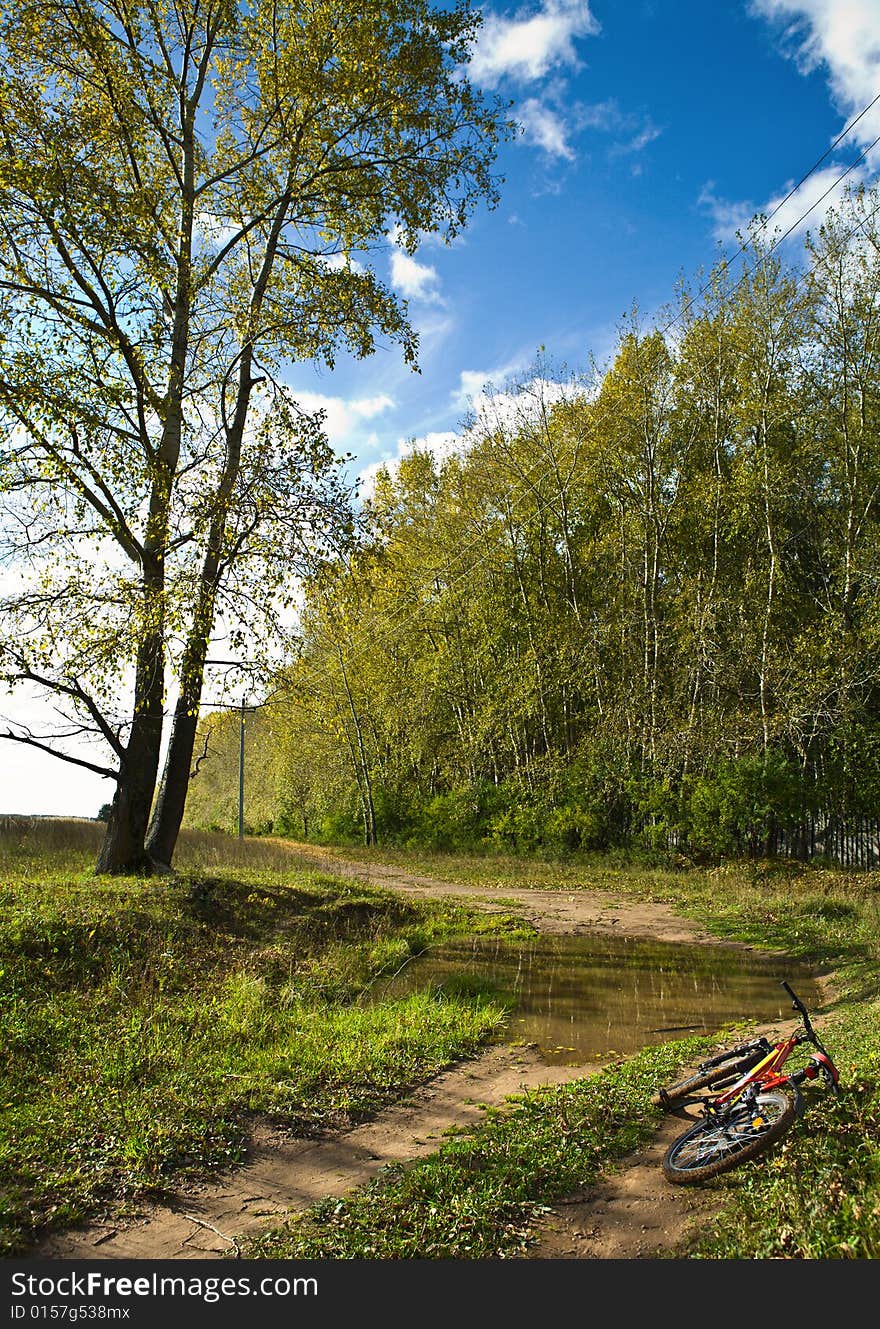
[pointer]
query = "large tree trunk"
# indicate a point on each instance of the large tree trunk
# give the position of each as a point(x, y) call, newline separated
point(124, 849)
point(171, 798)
point(168, 816)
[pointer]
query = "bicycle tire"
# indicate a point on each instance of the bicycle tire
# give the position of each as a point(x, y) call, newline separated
point(719, 1144)
point(716, 1077)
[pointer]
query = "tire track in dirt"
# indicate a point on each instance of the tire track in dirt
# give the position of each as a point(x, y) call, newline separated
point(283, 1174)
point(632, 1214)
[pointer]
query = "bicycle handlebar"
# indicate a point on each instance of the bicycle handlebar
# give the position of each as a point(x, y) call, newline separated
point(809, 1032)
point(799, 1006)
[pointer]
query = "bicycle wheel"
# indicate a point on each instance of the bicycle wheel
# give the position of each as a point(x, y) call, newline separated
point(718, 1144)
point(716, 1077)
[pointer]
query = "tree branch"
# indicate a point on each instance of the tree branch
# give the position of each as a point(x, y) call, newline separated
point(78, 693)
point(62, 756)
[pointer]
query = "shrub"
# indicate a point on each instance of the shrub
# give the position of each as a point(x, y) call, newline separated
point(732, 809)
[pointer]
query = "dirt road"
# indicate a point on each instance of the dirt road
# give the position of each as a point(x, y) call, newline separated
point(633, 1214)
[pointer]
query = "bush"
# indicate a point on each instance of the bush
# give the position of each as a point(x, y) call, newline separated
point(732, 809)
point(452, 821)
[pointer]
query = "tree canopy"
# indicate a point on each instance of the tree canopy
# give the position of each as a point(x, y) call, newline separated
point(638, 606)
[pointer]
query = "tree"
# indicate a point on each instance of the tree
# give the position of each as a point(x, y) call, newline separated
point(184, 185)
point(640, 610)
point(645, 461)
point(838, 687)
point(703, 561)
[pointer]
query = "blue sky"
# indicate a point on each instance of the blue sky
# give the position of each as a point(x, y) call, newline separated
point(651, 130)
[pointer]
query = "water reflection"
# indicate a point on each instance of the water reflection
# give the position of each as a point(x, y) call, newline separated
point(582, 998)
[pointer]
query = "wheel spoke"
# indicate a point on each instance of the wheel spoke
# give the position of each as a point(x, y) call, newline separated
point(727, 1136)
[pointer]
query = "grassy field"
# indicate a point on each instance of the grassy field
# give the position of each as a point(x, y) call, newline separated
point(148, 1018)
point(145, 1019)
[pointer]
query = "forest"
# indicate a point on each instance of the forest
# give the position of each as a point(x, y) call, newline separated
point(636, 606)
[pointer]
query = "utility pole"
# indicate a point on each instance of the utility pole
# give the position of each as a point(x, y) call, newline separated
point(242, 708)
point(241, 774)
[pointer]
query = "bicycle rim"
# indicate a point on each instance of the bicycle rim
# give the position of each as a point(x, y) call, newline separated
point(717, 1144)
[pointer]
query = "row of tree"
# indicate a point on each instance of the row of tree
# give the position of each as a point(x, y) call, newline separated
point(637, 605)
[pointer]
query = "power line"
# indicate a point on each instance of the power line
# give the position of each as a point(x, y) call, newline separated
point(742, 249)
point(827, 153)
point(388, 635)
point(688, 306)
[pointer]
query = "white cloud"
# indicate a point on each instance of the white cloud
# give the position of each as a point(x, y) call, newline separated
point(475, 385)
point(414, 281)
point(343, 419)
point(367, 407)
point(545, 129)
point(540, 43)
point(532, 43)
point(842, 35)
point(728, 216)
point(807, 206)
point(787, 212)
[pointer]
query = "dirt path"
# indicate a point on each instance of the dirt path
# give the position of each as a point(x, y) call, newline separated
point(552, 911)
point(633, 1214)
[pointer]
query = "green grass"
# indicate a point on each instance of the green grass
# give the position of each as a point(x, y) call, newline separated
point(149, 1019)
point(145, 1020)
point(816, 1196)
point(479, 1196)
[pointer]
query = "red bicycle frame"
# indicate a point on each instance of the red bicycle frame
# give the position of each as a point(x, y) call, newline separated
point(768, 1072)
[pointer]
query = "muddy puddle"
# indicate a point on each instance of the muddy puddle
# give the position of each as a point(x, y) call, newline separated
point(587, 997)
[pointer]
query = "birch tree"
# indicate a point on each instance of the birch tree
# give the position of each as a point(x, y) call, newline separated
point(190, 191)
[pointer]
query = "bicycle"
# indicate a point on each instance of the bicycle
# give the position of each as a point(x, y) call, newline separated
point(751, 1103)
